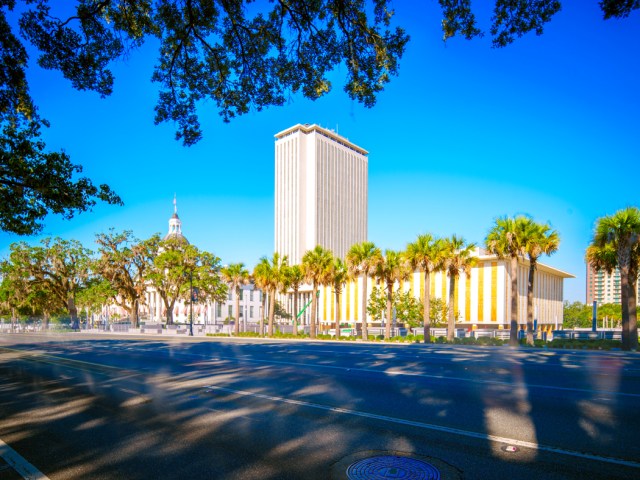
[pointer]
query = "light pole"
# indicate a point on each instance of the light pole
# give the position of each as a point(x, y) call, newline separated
point(191, 303)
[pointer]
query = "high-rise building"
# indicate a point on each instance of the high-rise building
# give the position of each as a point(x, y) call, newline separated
point(604, 287)
point(320, 192)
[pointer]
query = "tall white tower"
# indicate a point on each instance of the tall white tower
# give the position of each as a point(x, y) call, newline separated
point(320, 192)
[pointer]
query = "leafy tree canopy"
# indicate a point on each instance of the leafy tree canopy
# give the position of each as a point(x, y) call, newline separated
point(408, 309)
point(57, 269)
point(237, 54)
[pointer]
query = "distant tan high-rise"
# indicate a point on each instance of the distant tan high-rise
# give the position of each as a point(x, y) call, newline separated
point(320, 192)
point(604, 287)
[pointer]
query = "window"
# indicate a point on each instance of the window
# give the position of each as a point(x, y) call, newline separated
point(250, 312)
point(218, 310)
point(230, 311)
point(230, 294)
point(251, 296)
point(241, 294)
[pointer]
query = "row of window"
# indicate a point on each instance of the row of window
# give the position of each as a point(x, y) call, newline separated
point(243, 294)
point(230, 311)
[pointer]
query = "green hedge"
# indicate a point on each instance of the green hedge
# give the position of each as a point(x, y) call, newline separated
point(557, 343)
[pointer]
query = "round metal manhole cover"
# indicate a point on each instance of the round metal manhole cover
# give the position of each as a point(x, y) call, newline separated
point(386, 466)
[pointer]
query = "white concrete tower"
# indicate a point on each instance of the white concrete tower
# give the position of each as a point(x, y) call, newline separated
point(320, 192)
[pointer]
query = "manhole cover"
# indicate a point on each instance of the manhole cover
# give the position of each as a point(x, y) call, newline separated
point(387, 466)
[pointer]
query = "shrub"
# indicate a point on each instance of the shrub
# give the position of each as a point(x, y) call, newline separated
point(584, 344)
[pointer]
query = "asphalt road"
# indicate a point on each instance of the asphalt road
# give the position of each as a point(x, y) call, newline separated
point(117, 407)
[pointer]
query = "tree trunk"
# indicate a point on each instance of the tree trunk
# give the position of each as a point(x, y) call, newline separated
point(236, 327)
point(633, 315)
point(169, 308)
point(272, 310)
point(314, 300)
point(262, 310)
point(73, 313)
point(426, 305)
point(451, 324)
point(513, 333)
point(623, 262)
point(532, 272)
point(365, 331)
point(338, 313)
point(136, 313)
point(387, 329)
point(295, 311)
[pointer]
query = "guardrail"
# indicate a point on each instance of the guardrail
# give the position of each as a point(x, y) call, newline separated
point(588, 335)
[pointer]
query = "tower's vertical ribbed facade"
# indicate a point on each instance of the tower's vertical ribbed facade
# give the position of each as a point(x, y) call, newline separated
point(320, 192)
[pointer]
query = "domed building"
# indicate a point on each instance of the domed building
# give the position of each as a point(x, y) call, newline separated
point(175, 226)
point(208, 315)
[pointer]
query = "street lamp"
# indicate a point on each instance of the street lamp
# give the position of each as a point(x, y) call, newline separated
point(191, 303)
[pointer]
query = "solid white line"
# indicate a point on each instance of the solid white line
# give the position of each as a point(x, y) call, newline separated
point(422, 375)
point(19, 464)
point(428, 426)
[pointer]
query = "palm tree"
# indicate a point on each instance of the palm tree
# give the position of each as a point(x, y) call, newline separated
point(261, 278)
point(362, 260)
point(235, 275)
point(295, 278)
point(339, 276)
point(273, 278)
point(458, 258)
point(316, 265)
point(621, 231)
point(538, 239)
point(390, 270)
point(425, 254)
point(504, 240)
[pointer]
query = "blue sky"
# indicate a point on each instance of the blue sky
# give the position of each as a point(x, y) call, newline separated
point(549, 126)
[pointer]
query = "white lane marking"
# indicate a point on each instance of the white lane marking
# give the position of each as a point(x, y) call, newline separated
point(369, 370)
point(429, 426)
point(19, 464)
point(423, 375)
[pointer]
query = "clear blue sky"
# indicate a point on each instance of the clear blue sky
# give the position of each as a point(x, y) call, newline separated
point(549, 126)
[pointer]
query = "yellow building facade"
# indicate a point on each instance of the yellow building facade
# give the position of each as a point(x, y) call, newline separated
point(481, 299)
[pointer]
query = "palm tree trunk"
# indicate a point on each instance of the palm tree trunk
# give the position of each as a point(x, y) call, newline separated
point(262, 310)
point(338, 314)
point(314, 300)
point(426, 305)
point(295, 311)
point(365, 331)
point(625, 297)
point(451, 324)
point(633, 315)
point(272, 310)
point(633, 320)
point(236, 327)
point(532, 271)
point(513, 333)
point(387, 329)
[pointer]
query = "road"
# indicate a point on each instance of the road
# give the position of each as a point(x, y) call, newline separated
point(116, 407)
